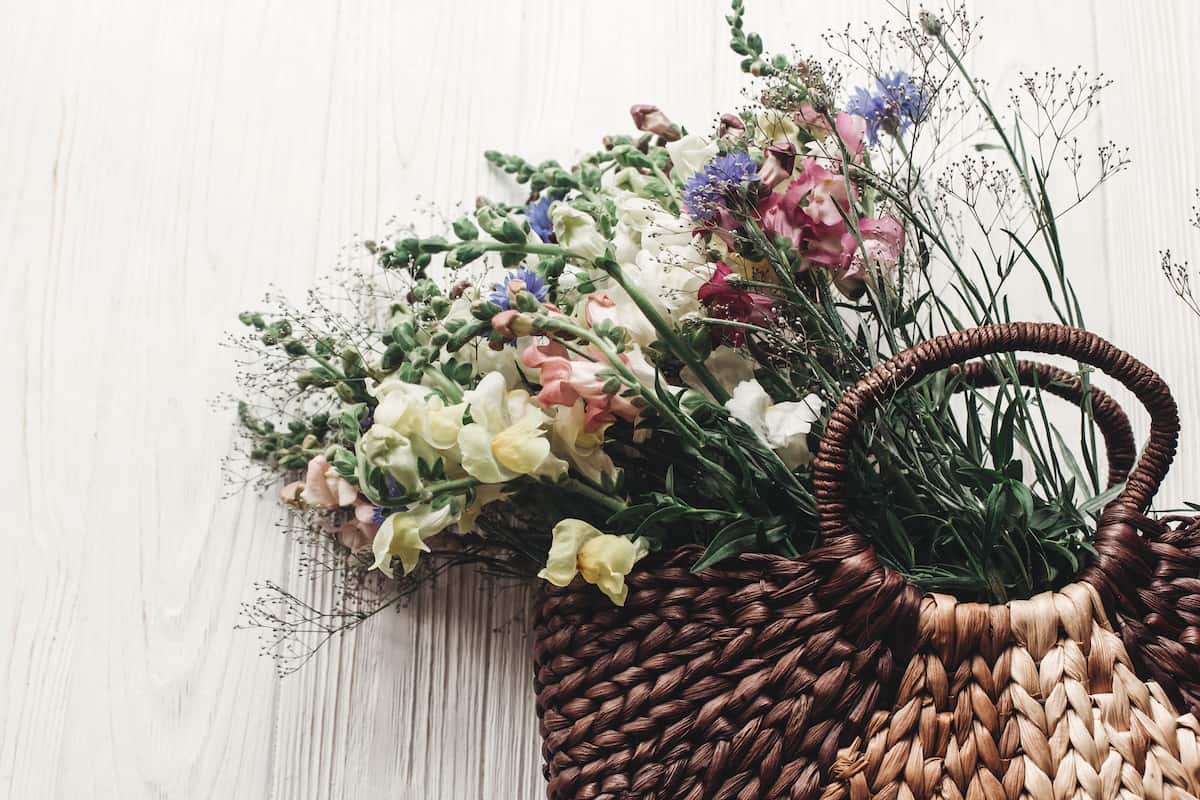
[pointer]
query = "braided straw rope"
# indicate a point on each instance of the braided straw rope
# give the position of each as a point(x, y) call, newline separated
point(1035, 699)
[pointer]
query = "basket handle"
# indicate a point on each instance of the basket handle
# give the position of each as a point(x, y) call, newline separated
point(1116, 540)
point(1109, 416)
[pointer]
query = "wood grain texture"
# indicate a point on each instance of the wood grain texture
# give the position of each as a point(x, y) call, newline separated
point(163, 164)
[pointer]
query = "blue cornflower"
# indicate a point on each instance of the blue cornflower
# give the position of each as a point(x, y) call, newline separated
point(534, 284)
point(378, 515)
point(895, 106)
point(366, 422)
point(708, 191)
point(537, 214)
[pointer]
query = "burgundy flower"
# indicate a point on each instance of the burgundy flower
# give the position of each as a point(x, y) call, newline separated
point(731, 303)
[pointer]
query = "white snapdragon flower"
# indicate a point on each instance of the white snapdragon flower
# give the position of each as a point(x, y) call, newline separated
point(689, 154)
point(576, 231)
point(507, 437)
point(411, 424)
point(603, 559)
point(784, 427)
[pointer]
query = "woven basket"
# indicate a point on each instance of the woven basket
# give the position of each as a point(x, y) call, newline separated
point(830, 676)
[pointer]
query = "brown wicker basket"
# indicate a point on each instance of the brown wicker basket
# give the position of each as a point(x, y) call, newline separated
point(830, 676)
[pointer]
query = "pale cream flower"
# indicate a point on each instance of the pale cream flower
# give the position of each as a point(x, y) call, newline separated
point(603, 559)
point(392, 452)
point(576, 231)
point(403, 535)
point(729, 365)
point(584, 450)
point(506, 438)
point(784, 427)
point(689, 154)
point(772, 126)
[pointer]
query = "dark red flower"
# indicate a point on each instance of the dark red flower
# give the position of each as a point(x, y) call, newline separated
point(731, 303)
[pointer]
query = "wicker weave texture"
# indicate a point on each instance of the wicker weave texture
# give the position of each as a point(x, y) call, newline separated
point(1035, 699)
point(832, 677)
point(730, 683)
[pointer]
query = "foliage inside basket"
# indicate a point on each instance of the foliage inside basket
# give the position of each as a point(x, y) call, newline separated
point(641, 351)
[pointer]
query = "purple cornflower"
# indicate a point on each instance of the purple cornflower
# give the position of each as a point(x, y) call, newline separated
point(534, 284)
point(367, 421)
point(378, 515)
point(537, 214)
point(895, 106)
point(707, 192)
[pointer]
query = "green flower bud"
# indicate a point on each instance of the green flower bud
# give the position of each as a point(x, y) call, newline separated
point(465, 230)
point(252, 318)
point(345, 392)
point(293, 461)
point(353, 364)
point(393, 357)
point(484, 310)
point(525, 301)
point(467, 252)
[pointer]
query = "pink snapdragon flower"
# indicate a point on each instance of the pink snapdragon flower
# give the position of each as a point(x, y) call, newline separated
point(324, 487)
point(819, 193)
point(358, 533)
point(883, 241)
point(738, 305)
point(566, 380)
point(812, 121)
point(807, 214)
point(779, 159)
point(852, 130)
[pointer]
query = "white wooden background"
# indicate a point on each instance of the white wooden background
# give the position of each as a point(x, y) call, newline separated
point(163, 163)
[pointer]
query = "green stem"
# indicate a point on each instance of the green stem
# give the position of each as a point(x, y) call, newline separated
point(452, 391)
point(432, 490)
point(324, 362)
point(600, 498)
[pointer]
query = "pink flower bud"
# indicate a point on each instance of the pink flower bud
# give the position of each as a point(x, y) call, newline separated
point(513, 324)
point(778, 162)
point(731, 127)
point(651, 119)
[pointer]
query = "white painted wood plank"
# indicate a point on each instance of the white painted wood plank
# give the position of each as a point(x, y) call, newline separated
point(162, 165)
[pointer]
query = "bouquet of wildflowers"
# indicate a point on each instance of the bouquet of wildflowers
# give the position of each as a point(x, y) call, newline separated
point(638, 355)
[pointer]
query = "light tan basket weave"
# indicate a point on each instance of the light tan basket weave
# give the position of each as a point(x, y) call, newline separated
point(1033, 699)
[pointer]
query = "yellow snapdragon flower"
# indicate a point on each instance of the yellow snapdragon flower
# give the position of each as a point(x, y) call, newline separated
point(603, 559)
point(506, 438)
point(403, 535)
